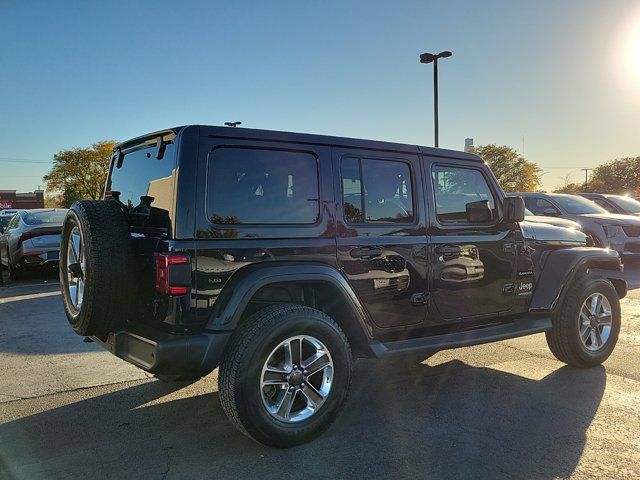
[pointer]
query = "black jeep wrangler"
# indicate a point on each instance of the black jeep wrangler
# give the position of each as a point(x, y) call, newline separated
point(279, 257)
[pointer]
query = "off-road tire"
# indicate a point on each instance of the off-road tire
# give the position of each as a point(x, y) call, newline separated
point(250, 345)
point(564, 340)
point(108, 248)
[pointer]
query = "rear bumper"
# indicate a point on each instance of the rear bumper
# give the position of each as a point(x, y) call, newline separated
point(31, 258)
point(168, 354)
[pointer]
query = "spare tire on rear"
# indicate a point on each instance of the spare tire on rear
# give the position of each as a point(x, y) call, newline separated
point(96, 267)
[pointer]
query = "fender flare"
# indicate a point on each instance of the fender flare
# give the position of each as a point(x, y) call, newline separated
point(561, 267)
point(241, 287)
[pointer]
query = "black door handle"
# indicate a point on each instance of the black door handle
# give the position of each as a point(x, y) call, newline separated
point(449, 250)
point(366, 252)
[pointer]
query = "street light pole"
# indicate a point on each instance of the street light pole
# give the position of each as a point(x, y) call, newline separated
point(435, 101)
point(429, 58)
point(586, 178)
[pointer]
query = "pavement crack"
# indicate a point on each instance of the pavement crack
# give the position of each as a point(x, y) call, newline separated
point(167, 452)
point(71, 390)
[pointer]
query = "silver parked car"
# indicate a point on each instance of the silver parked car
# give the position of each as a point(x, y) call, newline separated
point(608, 230)
point(33, 238)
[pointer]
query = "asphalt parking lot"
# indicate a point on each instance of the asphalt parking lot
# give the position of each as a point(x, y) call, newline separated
point(504, 410)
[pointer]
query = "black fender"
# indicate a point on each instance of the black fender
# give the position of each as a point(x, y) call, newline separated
point(561, 267)
point(241, 287)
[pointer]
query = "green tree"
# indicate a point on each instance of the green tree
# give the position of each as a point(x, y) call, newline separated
point(617, 176)
point(513, 171)
point(80, 173)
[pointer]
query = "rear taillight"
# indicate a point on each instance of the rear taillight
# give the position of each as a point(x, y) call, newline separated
point(173, 273)
point(39, 233)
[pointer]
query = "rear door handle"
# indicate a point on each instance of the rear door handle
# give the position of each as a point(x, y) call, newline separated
point(366, 252)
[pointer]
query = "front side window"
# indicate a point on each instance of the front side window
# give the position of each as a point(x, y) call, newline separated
point(376, 191)
point(628, 204)
point(578, 205)
point(541, 206)
point(260, 186)
point(462, 195)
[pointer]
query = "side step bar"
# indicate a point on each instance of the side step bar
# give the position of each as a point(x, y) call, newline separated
point(502, 331)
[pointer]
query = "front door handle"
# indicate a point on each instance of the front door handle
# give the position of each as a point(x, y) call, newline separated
point(449, 250)
point(366, 252)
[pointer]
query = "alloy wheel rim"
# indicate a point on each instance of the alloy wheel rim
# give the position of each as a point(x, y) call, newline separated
point(75, 268)
point(296, 378)
point(595, 322)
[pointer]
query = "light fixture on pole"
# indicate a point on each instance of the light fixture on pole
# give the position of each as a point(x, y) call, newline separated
point(429, 58)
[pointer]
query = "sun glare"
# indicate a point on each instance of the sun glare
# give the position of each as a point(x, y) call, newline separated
point(630, 58)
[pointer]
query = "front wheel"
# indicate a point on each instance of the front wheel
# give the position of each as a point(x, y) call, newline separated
point(587, 324)
point(286, 375)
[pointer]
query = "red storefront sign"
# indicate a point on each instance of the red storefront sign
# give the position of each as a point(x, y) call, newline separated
point(5, 204)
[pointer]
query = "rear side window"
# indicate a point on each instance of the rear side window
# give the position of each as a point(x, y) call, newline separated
point(376, 191)
point(262, 186)
point(604, 204)
point(456, 189)
point(142, 174)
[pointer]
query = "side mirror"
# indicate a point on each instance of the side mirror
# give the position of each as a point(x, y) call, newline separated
point(550, 212)
point(479, 212)
point(513, 209)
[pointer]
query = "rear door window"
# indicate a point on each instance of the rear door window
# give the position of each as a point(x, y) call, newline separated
point(376, 191)
point(262, 186)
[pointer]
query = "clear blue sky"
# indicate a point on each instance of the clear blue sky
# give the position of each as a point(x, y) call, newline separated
point(561, 74)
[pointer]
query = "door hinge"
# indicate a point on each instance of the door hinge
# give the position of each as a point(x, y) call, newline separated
point(420, 298)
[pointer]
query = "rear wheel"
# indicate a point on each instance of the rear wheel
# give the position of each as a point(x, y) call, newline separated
point(587, 324)
point(286, 375)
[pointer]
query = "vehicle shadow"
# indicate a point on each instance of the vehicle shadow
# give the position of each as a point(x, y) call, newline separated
point(417, 421)
point(33, 322)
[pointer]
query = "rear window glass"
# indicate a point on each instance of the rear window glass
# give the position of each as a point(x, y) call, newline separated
point(39, 218)
point(251, 185)
point(142, 174)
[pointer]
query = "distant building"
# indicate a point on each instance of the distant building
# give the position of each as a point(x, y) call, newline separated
point(13, 199)
point(468, 145)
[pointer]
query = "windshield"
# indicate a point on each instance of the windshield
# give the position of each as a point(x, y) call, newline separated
point(47, 217)
point(577, 205)
point(628, 204)
point(528, 213)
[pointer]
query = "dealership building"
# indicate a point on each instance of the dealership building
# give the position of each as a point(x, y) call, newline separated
point(13, 199)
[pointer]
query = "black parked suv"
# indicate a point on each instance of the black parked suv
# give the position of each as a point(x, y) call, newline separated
point(280, 257)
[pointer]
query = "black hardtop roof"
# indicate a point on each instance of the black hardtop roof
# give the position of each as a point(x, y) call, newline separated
point(306, 138)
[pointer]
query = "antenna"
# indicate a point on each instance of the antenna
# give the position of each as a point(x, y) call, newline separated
point(232, 124)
